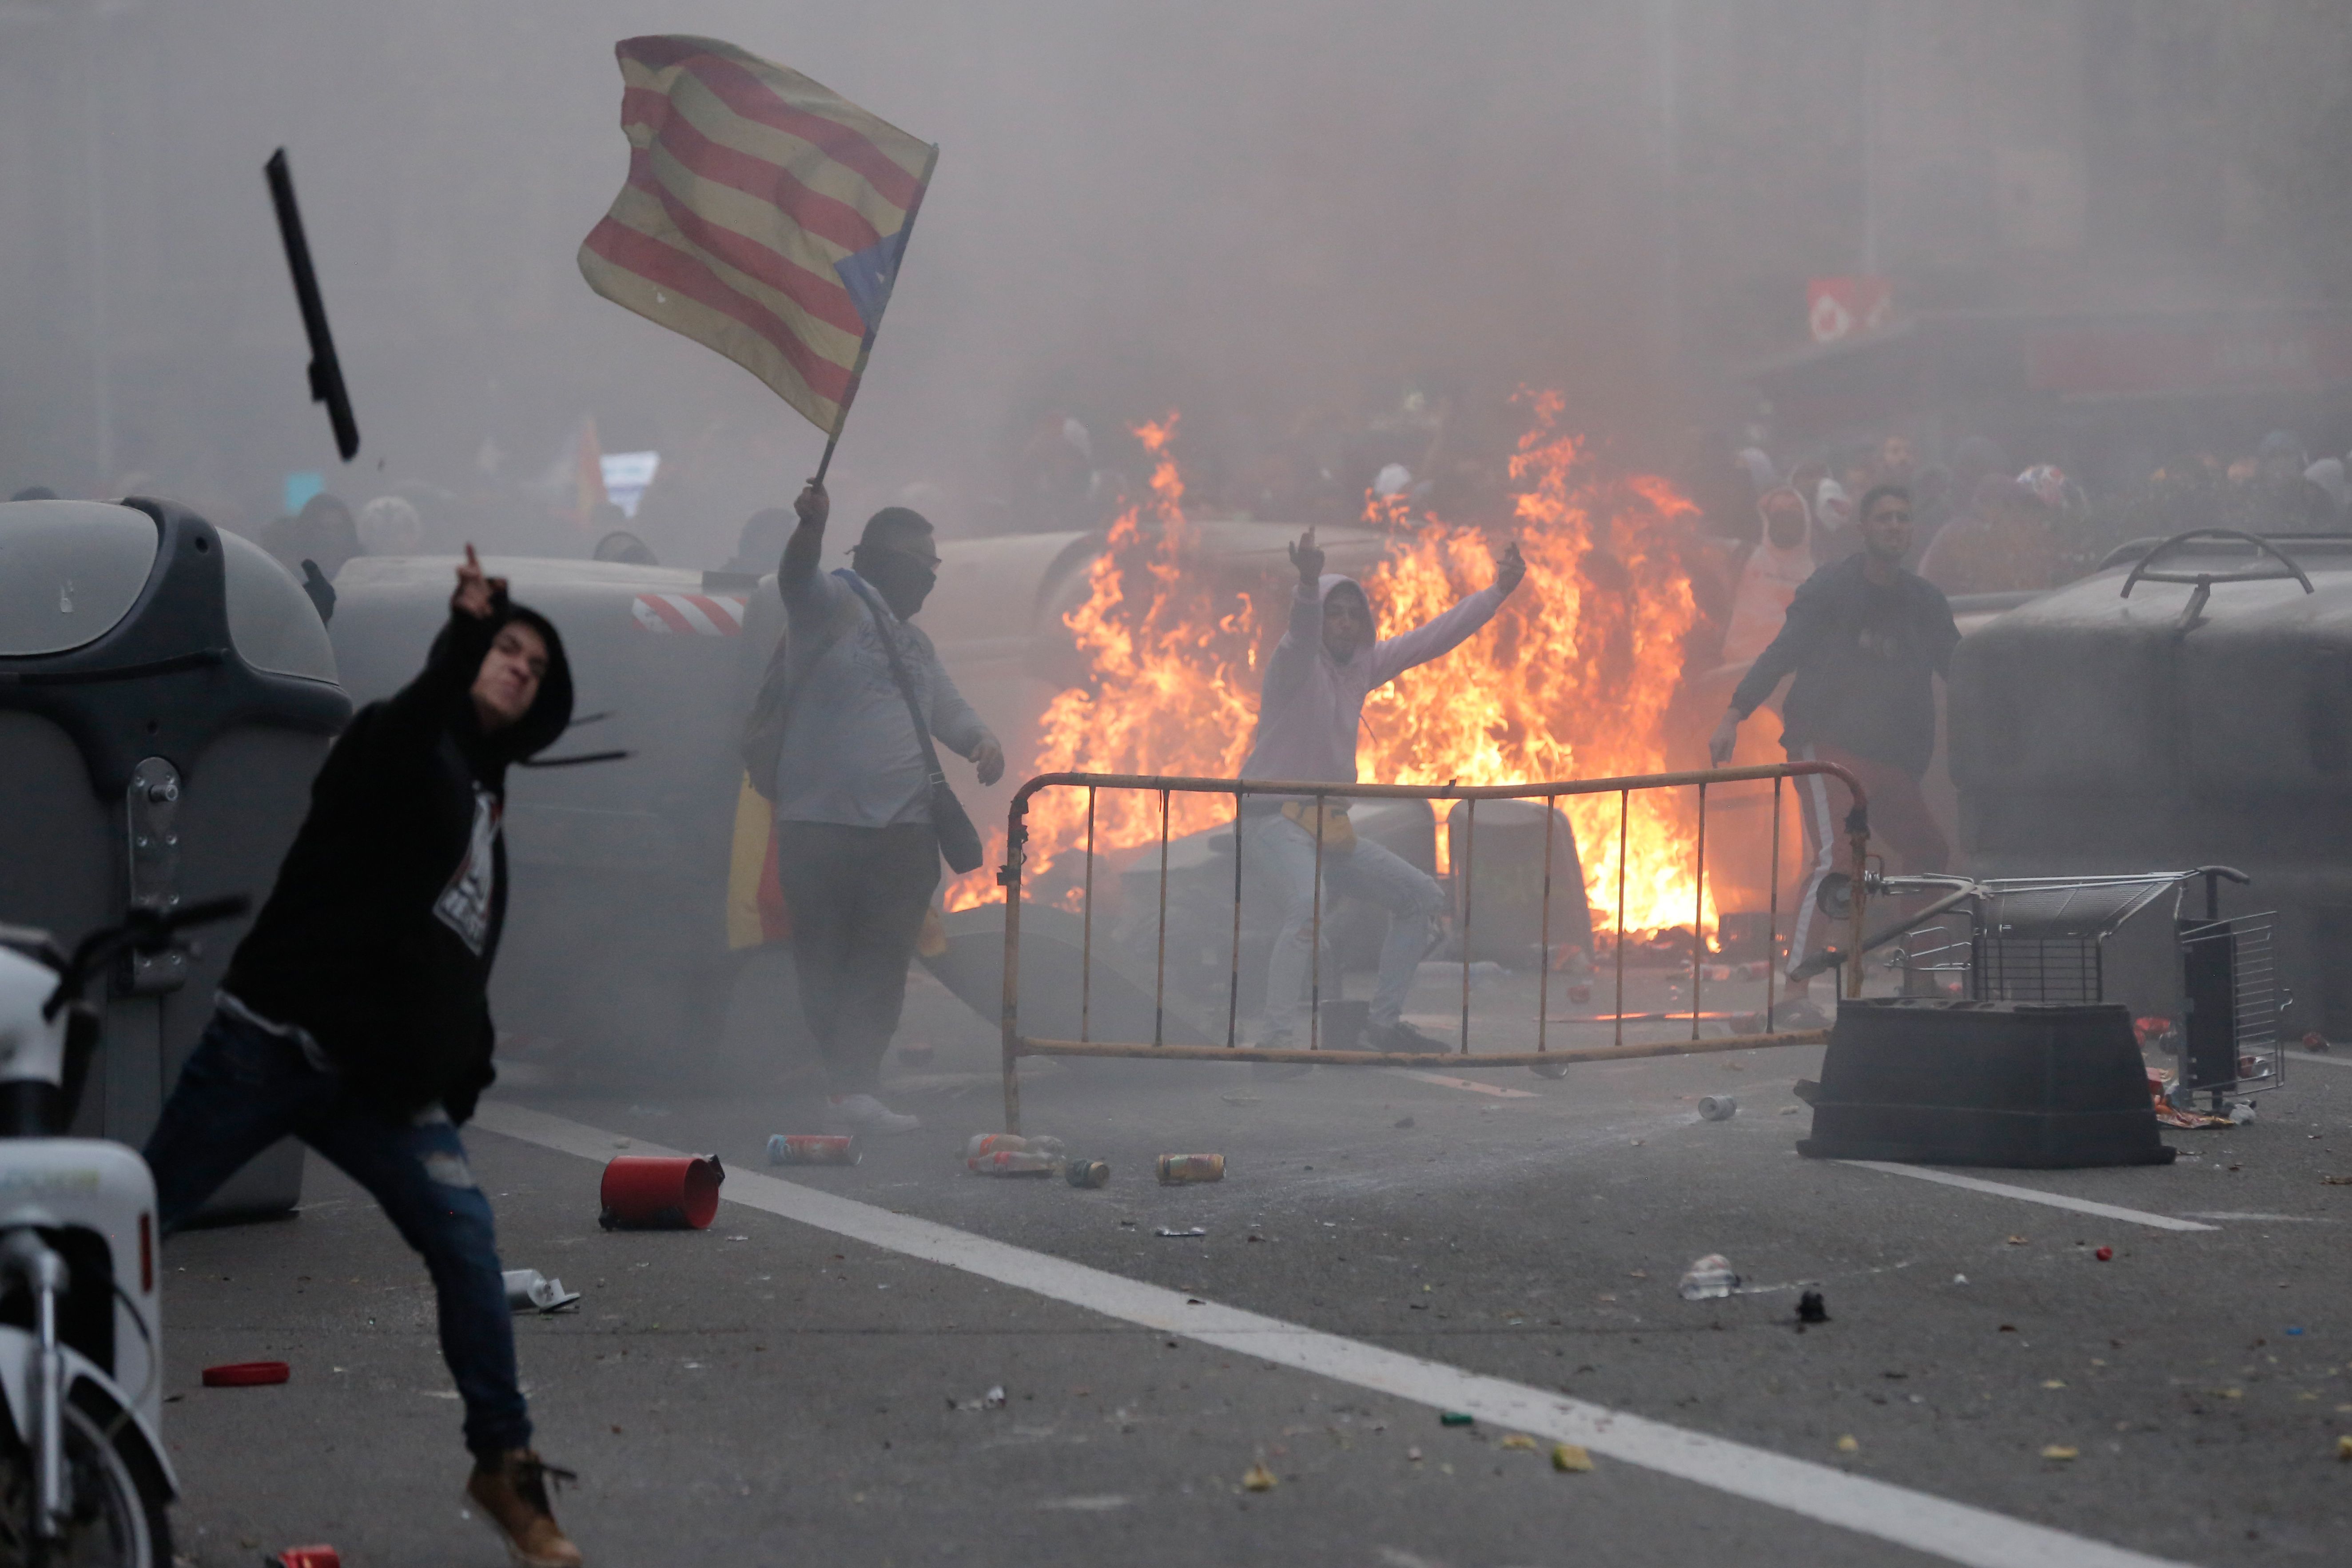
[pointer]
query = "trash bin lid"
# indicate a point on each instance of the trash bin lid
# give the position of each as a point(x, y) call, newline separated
point(69, 572)
point(271, 620)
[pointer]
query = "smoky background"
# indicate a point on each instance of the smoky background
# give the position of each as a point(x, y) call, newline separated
point(1275, 218)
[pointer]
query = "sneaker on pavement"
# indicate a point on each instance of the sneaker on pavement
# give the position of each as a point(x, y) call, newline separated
point(511, 1492)
point(1403, 1039)
point(863, 1114)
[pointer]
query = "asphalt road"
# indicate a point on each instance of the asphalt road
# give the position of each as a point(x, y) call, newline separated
point(769, 1387)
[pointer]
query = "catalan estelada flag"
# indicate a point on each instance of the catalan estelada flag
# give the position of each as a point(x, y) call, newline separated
point(764, 216)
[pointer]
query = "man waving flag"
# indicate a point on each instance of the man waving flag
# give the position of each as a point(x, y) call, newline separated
point(764, 216)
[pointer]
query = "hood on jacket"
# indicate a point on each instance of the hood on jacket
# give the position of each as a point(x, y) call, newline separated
point(1334, 581)
point(551, 710)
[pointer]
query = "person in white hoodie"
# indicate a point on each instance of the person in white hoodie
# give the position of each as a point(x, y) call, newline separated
point(1780, 561)
point(1309, 714)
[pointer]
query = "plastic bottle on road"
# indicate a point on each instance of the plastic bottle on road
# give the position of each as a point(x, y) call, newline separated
point(1709, 1279)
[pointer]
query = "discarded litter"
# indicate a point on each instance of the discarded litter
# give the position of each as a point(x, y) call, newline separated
point(1179, 1235)
point(2313, 1040)
point(1811, 1308)
point(528, 1291)
point(247, 1374)
point(1087, 1172)
point(2062, 1451)
point(2104, 1255)
point(2344, 1449)
point(1257, 1478)
point(1013, 1163)
point(1402, 1121)
point(813, 1149)
point(667, 1193)
point(1959, 1278)
point(305, 1557)
point(1717, 1107)
point(1455, 1418)
point(2241, 1113)
point(1708, 1279)
point(1571, 1458)
point(1182, 1170)
point(1517, 1441)
point(1849, 1443)
point(995, 1398)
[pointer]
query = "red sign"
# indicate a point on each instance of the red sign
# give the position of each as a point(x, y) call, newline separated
point(1839, 308)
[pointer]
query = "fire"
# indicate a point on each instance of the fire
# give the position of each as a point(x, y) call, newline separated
point(1175, 688)
point(1572, 680)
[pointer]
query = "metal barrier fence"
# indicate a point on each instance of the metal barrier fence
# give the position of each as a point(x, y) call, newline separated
point(1017, 1045)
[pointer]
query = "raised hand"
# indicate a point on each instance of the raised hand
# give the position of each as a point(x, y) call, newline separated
point(1308, 558)
point(1512, 569)
point(812, 506)
point(476, 596)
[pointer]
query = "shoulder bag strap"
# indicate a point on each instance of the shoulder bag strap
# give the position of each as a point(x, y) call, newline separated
point(906, 685)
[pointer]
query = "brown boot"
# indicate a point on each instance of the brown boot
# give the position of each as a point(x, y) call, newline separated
point(511, 1492)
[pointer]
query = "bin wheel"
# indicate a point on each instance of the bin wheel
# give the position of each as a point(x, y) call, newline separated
point(119, 1496)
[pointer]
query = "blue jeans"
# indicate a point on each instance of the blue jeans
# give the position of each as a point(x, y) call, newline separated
point(1283, 853)
point(244, 1088)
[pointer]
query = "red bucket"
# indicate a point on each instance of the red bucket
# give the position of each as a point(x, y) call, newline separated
point(642, 1193)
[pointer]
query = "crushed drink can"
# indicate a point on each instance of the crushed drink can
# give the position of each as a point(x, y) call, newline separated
point(813, 1149)
point(1182, 1169)
point(1717, 1107)
point(1013, 1162)
point(1087, 1172)
point(305, 1557)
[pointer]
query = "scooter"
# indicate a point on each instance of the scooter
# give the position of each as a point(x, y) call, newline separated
point(83, 1476)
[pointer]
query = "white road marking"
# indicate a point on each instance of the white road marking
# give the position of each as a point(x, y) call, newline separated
point(1473, 1085)
point(2055, 1200)
point(1957, 1532)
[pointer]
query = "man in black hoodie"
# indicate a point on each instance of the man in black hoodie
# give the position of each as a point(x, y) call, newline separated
point(355, 1013)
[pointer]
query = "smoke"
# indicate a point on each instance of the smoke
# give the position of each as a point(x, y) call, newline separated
point(1241, 210)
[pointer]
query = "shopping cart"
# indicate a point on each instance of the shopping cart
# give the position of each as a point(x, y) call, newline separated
point(2043, 939)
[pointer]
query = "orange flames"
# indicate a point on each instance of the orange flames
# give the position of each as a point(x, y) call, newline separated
point(1572, 680)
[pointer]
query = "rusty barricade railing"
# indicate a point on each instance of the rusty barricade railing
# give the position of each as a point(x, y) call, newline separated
point(1009, 876)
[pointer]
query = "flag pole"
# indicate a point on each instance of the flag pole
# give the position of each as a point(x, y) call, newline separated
point(905, 238)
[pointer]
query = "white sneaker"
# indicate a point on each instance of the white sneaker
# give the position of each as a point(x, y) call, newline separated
point(863, 1114)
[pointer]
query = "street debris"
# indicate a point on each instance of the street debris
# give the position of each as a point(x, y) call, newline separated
point(993, 1400)
point(2104, 1255)
point(1849, 1443)
point(1455, 1418)
point(1183, 1170)
point(305, 1557)
point(1811, 1310)
point(1708, 1279)
point(1571, 1458)
point(1179, 1235)
point(2314, 1042)
point(1258, 1479)
point(2344, 1449)
point(2062, 1451)
point(813, 1149)
point(530, 1290)
point(247, 1374)
point(1717, 1107)
point(678, 1192)
point(1013, 1163)
point(1086, 1173)
point(1402, 1121)
point(1517, 1442)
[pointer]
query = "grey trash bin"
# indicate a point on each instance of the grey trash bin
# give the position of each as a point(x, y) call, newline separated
point(166, 693)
